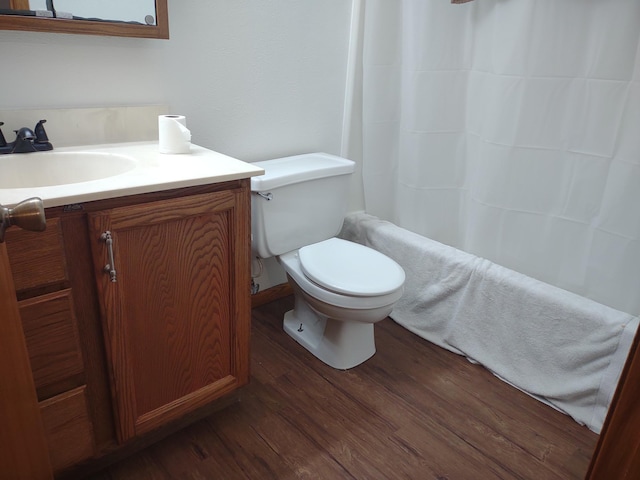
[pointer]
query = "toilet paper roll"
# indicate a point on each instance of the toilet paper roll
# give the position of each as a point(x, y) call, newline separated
point(173, 134)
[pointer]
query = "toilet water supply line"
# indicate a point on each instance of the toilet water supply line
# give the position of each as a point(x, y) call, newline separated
point(256, 286)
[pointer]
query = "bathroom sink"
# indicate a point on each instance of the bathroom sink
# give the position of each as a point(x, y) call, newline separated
point(44, 169)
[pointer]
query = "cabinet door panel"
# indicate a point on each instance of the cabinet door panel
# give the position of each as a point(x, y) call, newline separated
point(37, 259)
point(180, 336)
point(68, 428)
point(23, 446)
point(51, 334)
point(170, 317)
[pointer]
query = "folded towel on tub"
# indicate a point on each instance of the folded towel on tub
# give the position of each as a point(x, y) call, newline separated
point(559, 347)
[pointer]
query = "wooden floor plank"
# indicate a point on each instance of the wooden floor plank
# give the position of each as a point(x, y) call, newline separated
point(485, 421)
point(382, 413)
point(413, 411)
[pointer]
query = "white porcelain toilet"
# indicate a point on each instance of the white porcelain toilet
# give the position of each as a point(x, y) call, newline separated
point(341, 288)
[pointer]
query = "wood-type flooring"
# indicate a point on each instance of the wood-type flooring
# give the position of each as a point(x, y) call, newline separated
point(413, 411)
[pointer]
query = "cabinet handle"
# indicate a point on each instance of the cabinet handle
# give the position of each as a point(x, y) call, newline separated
point(110, 267)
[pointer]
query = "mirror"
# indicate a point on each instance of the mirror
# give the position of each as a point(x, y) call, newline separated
point(125, 18)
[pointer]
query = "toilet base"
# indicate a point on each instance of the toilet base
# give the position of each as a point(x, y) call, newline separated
point(339, 344)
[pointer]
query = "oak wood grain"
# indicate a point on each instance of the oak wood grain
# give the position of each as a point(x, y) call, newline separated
point(51, 334)
point(68, 428)
point(68, 240)
point(177, 319)
point(79, 262)
point(23, 447)
point(37, 259)
point(271, 294)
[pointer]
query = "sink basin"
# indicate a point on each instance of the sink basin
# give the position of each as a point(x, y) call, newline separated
point(45, 169)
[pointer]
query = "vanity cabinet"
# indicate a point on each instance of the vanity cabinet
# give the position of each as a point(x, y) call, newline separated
point(47, 311)
point(114, 360)
point(172, 277)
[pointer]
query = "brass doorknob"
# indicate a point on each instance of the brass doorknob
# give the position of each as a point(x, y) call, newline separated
point(28, 214)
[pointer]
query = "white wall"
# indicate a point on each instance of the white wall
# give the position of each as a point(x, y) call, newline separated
point(256, 79)
point(48, 70)
point(260, 78)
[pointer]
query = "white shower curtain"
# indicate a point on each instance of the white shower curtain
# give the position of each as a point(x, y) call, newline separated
point(511, 129)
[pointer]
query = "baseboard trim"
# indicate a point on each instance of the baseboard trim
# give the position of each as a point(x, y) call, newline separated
point(271, 294)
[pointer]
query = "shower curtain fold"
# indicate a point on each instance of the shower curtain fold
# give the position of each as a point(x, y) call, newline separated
point(509, 130)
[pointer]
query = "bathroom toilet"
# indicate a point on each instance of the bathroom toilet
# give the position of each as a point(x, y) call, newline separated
point(340, 288)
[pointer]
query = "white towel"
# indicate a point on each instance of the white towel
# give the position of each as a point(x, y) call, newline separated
point(555, 345)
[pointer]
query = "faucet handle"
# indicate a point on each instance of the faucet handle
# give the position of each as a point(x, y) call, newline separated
point(3, 142)
point(41, 134)
point(24, 133)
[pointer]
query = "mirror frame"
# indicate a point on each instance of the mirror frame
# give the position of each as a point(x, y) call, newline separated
point(87, 27)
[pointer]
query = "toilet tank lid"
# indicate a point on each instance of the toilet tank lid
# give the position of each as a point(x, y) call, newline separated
point(299, 168)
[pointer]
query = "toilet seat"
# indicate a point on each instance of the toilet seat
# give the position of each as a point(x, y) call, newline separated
point(291, 263)
point(350, 268)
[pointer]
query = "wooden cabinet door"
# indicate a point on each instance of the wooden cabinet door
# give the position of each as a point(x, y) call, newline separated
point(177, 316)
point(23, 448)
point(617, 455)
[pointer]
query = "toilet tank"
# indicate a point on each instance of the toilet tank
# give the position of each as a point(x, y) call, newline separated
point(299, 200)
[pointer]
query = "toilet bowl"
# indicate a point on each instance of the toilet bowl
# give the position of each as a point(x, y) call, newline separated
point(340, 288)
point(337, 299)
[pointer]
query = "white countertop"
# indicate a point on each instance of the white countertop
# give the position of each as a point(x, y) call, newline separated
point(153, 172)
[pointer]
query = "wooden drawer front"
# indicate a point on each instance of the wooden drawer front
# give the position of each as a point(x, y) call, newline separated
point(51, 334)
point(67, 428)
point(37, 258)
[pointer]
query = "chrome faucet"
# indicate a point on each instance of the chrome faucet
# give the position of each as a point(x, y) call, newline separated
point(27, 140)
